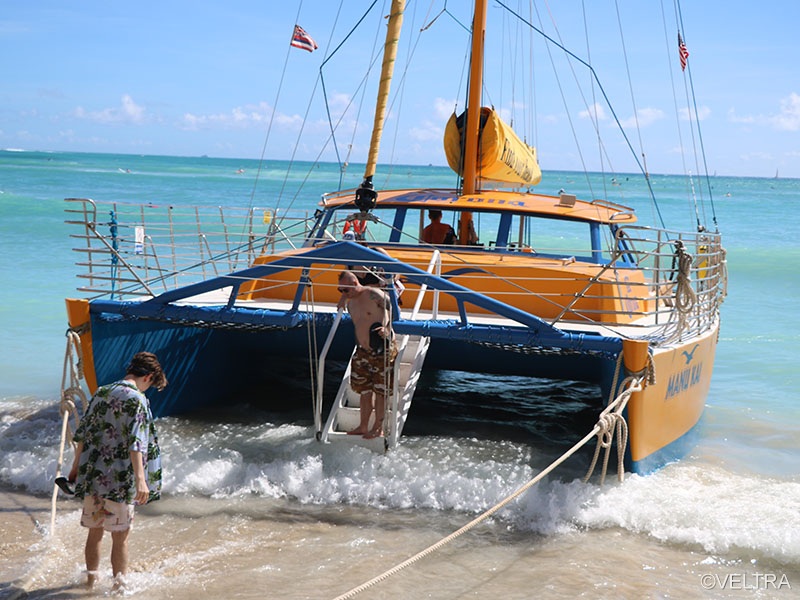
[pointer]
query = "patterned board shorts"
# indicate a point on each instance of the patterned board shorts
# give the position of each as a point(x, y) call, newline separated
point(105, 513)
point(371, 372)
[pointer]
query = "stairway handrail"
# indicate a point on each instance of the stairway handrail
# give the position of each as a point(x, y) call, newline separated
point(434, 267)
point(321, 373)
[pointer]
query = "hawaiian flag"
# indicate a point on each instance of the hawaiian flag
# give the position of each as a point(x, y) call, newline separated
point(300, 39)
point(682, 52)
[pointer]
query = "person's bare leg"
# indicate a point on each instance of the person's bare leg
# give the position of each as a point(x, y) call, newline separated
point(119, 556)
point(380, 407)
point(365, 411)
point(92, 554)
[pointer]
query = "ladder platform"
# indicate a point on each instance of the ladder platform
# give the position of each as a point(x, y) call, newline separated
point(345, 413)
point(378, 445)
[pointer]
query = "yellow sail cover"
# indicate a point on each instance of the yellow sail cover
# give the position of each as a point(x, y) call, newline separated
point(502, 156)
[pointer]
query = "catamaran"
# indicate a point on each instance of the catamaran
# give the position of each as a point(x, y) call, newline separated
point(531, 284)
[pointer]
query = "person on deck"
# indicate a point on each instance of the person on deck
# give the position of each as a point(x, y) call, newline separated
point(438, 232)
point(117, 461)
point(372, 366)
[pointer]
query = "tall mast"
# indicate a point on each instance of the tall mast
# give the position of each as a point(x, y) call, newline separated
point(472, 125)
point(474, 98)
point(365, 195)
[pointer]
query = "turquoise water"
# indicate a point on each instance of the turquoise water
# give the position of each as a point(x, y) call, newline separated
point(738, 492)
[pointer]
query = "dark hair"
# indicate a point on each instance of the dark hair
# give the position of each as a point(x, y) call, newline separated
point(433, 213)
point(146, 363)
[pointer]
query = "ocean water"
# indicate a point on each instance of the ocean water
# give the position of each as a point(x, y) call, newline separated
point(255, 508)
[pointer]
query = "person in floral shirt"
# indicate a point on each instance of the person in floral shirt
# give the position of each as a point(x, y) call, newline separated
point(117, 461)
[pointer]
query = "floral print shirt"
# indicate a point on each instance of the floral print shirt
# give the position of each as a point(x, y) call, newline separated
point(118, 421)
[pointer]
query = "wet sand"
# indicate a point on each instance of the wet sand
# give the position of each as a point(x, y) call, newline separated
point(186, 548)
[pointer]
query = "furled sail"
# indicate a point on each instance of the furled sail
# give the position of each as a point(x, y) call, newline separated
point(502, 156)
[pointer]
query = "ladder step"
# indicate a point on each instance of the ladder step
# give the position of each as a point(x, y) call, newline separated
point(375, 444)
point(347, 418)
point(346, 415)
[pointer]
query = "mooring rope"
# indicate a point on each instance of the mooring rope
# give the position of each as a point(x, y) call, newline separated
point(634, 384)
point(685, 296)
point(72, 391)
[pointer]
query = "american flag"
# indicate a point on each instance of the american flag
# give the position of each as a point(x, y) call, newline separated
point(300, 39)
point(682, 52)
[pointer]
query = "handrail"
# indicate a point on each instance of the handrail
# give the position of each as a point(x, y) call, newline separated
point(168, 242)
point(434, 266)
point(321, 372)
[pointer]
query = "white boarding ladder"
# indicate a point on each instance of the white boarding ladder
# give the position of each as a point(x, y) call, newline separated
point(345, 412)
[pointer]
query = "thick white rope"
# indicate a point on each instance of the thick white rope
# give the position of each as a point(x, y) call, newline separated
point(72, 391)
point(618, 405)
point(685, 296)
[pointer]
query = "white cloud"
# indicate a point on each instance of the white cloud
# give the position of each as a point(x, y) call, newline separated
point(127, 112)
point(430, 131)
point(443, 108)
point(788, 119)
point(427, 131)
point(596, 112)
point(644, 117)
point(702, 114)
point(240, 117)
point(757, 156)
point(734, 118)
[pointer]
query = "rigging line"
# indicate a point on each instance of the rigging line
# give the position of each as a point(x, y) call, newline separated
point(630, 83)
point(564, 103)
point(321, 79)
point(325, 145)
point(532, 125)
point(300, 132)
point(403, 78)
point(449, 14)
point(593, 114)
point(308, 108)
point(668, 46)
point(600, 147)
point(272, 116)
point(325, 90)
point(399, 95)
point(699, 132)
point(602, 91)
point(691, 118)
point(363, 86)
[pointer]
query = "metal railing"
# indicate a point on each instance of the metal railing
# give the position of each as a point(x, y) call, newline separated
point(134, 250)
point(131, 250)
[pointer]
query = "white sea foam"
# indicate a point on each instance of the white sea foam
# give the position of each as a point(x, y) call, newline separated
point(705, 505)
point(692, 503)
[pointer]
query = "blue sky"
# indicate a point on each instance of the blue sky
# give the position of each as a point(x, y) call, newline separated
point(201, 77)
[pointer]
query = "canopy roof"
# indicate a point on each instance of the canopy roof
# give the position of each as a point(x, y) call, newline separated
point(599, 211)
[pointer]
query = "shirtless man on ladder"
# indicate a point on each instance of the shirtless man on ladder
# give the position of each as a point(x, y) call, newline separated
point(372, 366)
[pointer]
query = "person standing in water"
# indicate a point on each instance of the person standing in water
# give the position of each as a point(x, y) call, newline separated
point(372, 366)
point(117, 461)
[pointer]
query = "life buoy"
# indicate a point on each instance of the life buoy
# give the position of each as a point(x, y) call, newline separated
point(359, 227)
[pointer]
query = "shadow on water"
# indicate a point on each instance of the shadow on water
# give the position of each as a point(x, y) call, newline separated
point(549, 416)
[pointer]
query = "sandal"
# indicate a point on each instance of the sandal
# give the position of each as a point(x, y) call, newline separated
point(63, 485)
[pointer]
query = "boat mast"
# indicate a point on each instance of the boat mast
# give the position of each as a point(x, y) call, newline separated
point(366, 195)
point(474, 98)
point(472, 125)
